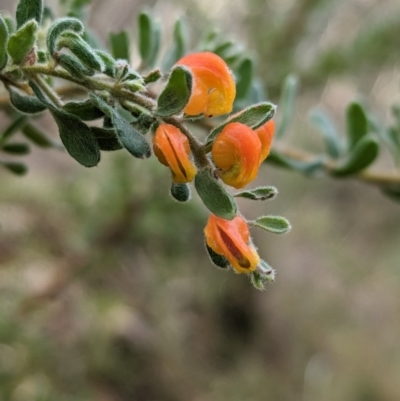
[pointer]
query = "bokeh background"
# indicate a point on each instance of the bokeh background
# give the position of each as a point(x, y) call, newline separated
point(106, 292)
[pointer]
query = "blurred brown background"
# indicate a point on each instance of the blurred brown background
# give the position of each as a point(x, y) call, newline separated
point(107, 293)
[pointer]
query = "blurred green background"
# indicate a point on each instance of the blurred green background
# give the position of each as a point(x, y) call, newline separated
point(107, 293)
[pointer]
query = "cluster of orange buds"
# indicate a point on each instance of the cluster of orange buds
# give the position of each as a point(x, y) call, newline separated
point(238, 147)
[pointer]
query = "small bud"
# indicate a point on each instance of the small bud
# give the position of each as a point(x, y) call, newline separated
point(231, 239)
point(172, 149)
point(214, 88)
point(180, 192)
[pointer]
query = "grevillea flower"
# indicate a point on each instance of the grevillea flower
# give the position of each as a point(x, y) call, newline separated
point(213, 89)
point(236, 152)
point(265, 134)
point(231, 239)
point(172, 149)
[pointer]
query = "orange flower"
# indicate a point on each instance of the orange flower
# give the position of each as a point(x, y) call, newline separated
point(214, 88)
point(265, 133)
point(231, 239)
point(172, 149)
point(236, 152)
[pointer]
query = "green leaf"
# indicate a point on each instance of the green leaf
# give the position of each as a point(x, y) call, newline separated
point(133, 141)
point(73, 65)
point(180, 192)
point(364, 153)
point(306, 167)
point(254, 117)
point(77, 138)
point(357, 124)
point(16, 148)
point(82, 50)
point(217, 259)
point(85, 110)
point(38, 137)
point(146, 40)
point(107, 138)
point(58, 27)
point(108, 61)
point(120, 45)
point(22, 41)
point(244, 73)
point(13, 128)
point(273, 224)
point(328, 131)
point(179, 45)
point(3, 43)
point(214, 195)
point(27, 10)
point(25, 104)
point(176, 93)
point(287, 105)
point(260, 193)
point(14, 167)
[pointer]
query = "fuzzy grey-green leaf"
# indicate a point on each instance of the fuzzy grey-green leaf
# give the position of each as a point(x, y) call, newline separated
point(22, 41)
point(15, 167)
point(3, 43)
point(214, 195)
point(244, 74)
point(27, 10)
point(254, 117)
point(107, 138)
point(25, 104)
point(273, 224)
point(260, 193)
point(58, 27)
point(85, 110)
point(77, 138)
point(133, 141)
point(176, 93)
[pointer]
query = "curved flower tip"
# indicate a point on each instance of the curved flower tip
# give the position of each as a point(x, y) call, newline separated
point(231, 239)
point(236, 152)
point(265, 134)
point(172, 149)
point(214, 88)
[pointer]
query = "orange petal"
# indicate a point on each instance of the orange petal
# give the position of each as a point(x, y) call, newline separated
point(236, 152)
point(172, 149)
point(214, 88)
point(266, 133)
point(231, 238)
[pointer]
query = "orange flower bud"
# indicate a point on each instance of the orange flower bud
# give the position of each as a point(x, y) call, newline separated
point(265, 134)
point(231, 239)
point(213, 89)
point(236, 152)
point(172, 149)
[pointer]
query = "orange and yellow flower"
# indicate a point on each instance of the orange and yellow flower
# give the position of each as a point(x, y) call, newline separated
point(265, 134)
point(236, 153)
point(214, 88)
point(231, 239)
point(172, 149)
